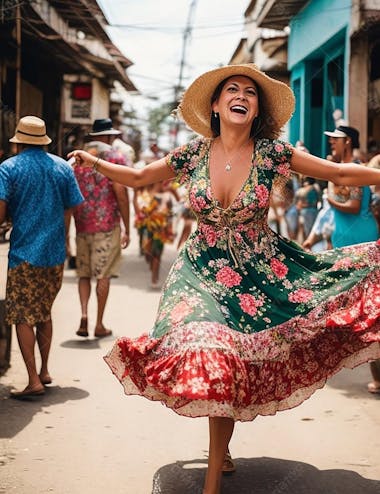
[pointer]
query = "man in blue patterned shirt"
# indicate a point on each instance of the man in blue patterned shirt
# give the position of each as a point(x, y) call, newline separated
point(38, 191)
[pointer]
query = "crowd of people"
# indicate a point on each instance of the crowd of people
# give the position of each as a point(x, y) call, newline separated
point(322, 215)
point(96, 209)
point(249, 321)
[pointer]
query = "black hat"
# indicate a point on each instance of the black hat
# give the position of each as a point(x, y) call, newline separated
point(345, 131)
point(103, 127)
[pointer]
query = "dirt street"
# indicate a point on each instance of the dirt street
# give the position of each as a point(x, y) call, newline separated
point(85, 437)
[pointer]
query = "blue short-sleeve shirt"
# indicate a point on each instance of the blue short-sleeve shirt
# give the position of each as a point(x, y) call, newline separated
point(38, 187)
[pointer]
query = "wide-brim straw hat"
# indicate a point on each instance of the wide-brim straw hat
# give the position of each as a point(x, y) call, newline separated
point(31, 130)
point(276, 103)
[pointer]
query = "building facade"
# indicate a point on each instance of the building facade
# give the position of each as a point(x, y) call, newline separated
point(333, 53)
point(56, 62)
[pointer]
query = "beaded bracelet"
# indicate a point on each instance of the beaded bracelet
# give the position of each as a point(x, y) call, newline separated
point(95, 165)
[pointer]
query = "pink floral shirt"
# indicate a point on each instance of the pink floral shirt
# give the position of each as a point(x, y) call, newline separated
point(99, 212)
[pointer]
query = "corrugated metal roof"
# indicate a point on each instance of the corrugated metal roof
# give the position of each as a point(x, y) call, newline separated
point(277, 15)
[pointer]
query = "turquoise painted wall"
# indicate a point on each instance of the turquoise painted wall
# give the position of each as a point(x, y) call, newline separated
point(319, 33)
point(318, 22)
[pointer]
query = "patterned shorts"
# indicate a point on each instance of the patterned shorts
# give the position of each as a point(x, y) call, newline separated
point(31, 291)
point(98, 254)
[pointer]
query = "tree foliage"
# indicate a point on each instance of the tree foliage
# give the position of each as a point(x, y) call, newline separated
point(157, 117)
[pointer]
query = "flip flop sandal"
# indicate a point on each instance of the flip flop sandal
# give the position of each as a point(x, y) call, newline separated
point(46, 380)
point(373, 388)
point(228, 464)
point(103, 334)
point(27, 394)
point(82, 331)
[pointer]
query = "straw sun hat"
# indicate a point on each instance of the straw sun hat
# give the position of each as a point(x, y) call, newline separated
point(31, 130)
point(276, 99)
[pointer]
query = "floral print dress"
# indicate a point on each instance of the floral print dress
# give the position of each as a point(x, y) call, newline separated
point(249, 323)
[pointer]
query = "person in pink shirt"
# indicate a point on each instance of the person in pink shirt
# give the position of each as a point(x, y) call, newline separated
point(99, 237)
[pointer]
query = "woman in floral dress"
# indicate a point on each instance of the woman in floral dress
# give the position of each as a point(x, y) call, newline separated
point(154, 213)
point(249, 323)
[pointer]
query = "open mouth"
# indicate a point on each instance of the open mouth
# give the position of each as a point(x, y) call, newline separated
point(242, 110)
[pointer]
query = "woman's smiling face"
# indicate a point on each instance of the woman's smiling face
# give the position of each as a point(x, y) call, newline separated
point(238, 102)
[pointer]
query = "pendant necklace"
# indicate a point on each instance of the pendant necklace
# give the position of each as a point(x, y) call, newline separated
point(228, 166)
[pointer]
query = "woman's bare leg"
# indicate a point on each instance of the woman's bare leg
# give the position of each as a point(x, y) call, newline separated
point(220, 429)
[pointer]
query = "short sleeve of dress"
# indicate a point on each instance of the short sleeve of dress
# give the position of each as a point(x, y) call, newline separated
point(281, 155)
point(184, 159)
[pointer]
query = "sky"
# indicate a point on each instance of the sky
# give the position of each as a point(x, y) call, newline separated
point(151, 34)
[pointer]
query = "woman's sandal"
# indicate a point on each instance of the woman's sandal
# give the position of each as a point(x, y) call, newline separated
point(228, 464)
point(83, 331)
point(373, 387)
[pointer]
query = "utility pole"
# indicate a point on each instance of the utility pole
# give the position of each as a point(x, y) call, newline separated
point(185, 39)
point(18, 63)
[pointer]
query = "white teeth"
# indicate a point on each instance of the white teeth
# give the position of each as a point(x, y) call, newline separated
point(239, 108)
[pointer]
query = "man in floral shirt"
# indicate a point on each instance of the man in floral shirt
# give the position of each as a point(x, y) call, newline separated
point(99, 238)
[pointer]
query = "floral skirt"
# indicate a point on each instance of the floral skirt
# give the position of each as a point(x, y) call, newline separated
point(238, 342)
point(31, 291)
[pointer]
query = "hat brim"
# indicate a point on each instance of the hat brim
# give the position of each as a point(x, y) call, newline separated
point(344, 135)
point(36, 141)
point(111, 132)
point(277, 99)
point(335, 133)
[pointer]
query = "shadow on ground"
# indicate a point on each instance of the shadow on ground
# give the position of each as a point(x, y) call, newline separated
point(85, 343)
point(15, 415)
point(353, 382)
point(263, 476)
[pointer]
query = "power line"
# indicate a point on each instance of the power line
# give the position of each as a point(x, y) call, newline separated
point(166, 29)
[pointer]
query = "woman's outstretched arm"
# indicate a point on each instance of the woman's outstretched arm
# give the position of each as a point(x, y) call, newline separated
point(155, 172)
point(338, 173)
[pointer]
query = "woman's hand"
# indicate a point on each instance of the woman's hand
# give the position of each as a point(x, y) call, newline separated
point(82, 158)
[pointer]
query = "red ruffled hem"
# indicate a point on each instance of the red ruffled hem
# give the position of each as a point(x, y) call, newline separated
point(207, 369)
point(212, 382)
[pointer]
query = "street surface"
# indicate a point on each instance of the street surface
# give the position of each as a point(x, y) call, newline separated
point(85, 437)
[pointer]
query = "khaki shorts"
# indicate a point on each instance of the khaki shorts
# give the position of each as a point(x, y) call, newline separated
point(98, 254)
point(31, 291)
